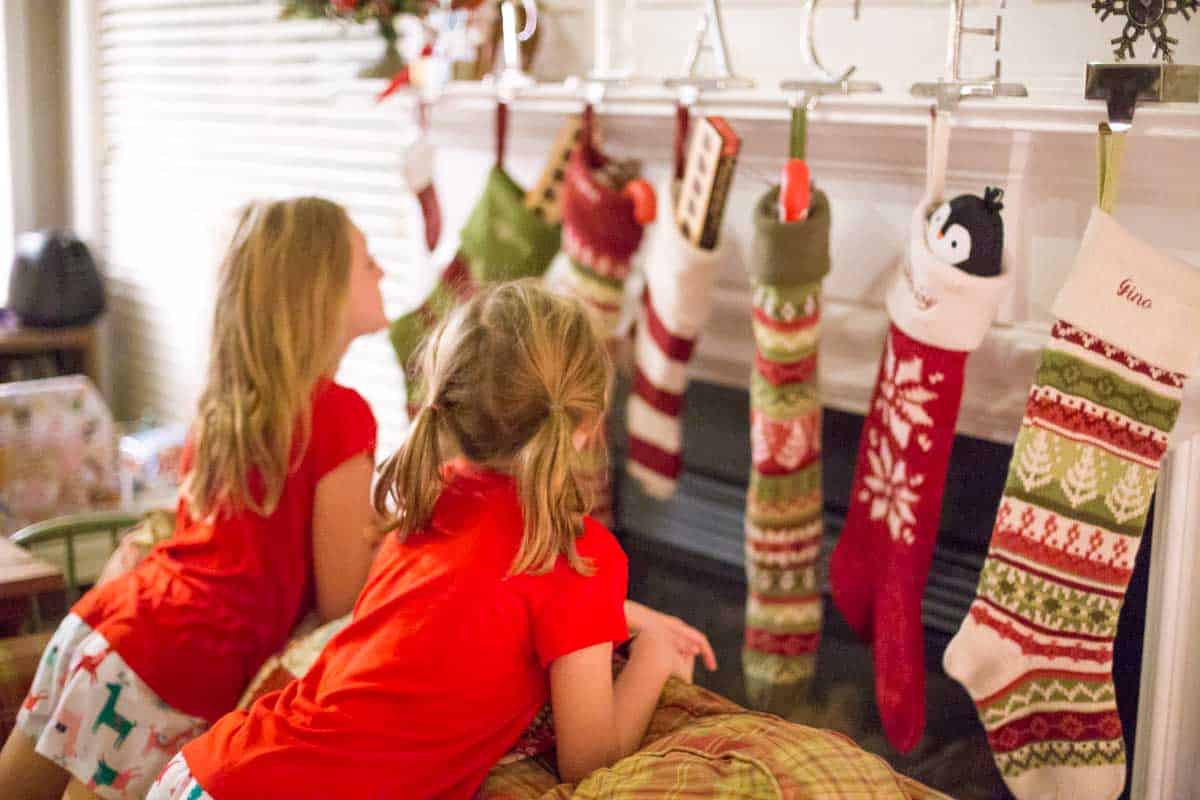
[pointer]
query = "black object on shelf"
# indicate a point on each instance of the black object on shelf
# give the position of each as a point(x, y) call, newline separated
point(54, 281)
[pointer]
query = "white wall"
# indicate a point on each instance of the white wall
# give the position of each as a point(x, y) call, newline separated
point(34, 55)
point(896, 42)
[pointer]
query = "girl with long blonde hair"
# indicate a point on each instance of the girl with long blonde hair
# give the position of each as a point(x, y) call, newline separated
point(493, 592)
point(272, 521)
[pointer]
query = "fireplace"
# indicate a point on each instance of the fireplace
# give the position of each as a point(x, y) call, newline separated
point(687, 554)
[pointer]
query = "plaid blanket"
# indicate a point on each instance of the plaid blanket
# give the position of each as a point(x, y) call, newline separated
point(698, 745)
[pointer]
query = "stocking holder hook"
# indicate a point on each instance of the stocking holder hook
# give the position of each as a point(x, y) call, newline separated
point(953, 87)
point(1122, 86)
point(512, 77)
point(710, 37)
point(807, 92)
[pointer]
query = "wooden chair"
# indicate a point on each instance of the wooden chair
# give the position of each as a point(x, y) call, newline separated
point(69, 530)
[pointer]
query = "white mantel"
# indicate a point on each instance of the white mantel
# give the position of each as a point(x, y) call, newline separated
point(867, 153)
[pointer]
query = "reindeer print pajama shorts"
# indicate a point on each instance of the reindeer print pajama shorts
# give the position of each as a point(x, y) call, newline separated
point(177, 783)
point(91, 714)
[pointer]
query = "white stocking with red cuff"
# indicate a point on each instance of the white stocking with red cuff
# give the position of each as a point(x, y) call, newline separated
point(418, 174)
point(675, 306)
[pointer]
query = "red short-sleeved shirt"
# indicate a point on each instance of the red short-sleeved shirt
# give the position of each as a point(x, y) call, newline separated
point(207, 606)
point(443, 666)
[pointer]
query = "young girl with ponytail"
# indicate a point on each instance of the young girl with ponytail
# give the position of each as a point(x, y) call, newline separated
point(493, 593)
point(272, 522)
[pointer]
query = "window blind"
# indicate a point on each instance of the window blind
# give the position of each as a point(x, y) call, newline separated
point(203, 106)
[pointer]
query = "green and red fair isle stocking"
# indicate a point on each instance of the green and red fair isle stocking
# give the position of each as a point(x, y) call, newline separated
point(1035, 651)
point(783, 503)
point(939, 313)
point(502, 240)
point(600, 235)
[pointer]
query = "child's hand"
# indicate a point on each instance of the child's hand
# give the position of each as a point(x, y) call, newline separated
point(685, 639)
point(658, 645)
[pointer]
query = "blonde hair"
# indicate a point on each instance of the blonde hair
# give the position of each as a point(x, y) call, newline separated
point(508, 378)
point(281, 292)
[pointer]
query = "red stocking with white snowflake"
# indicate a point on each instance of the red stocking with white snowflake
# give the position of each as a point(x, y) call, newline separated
point(881, 562)
point(940, 312)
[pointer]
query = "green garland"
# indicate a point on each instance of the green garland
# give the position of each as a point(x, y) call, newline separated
point(383, 12)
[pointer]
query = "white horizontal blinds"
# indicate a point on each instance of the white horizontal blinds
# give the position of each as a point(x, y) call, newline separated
point(206, 104)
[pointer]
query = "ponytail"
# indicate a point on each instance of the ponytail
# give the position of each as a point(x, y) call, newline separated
point(552, 499)
point(411, 480)
point(510, 375)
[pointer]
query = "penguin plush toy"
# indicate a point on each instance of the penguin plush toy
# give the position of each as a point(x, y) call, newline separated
point(969, 233)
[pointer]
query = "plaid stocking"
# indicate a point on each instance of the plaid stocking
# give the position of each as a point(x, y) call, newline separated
point(407, 331)
point(675, 306)
point(783, 504)
point(1035, 651)
point(501, 240)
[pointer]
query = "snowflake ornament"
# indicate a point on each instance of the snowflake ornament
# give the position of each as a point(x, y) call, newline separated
point(1145, 16)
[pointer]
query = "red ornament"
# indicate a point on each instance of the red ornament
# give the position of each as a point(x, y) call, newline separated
point(345, 5)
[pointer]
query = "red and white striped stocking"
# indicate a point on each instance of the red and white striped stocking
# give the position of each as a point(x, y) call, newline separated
point(675, 306)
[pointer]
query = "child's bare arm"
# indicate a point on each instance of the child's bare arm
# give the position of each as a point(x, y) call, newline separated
point(598, 721)
point(342, 548)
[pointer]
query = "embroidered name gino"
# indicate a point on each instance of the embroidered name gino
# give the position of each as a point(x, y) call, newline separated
point(1128, 290)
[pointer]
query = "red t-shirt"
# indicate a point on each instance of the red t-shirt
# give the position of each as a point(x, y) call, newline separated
point(442, 668)
point(197, 618)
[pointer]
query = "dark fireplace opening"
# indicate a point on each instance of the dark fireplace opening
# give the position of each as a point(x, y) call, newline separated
point(686, 557)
